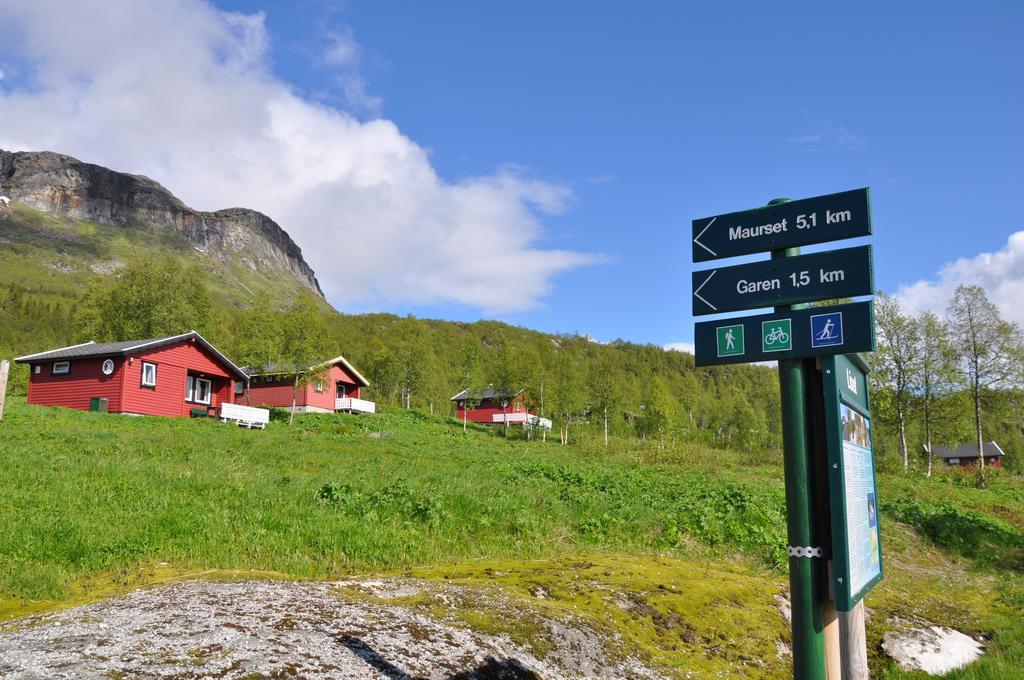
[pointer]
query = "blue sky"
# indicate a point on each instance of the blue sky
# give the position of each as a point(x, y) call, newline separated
point(633, 119)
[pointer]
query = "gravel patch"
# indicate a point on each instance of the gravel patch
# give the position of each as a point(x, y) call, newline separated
point(250, 629)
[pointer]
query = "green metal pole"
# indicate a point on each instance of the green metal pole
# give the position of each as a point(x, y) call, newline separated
point(804, 572)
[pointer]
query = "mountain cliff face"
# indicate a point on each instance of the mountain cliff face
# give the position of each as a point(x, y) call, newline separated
point(55, 183)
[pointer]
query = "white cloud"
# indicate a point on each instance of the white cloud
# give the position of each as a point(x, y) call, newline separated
point(344, 57)
point(1001, 274)
point(179, 91)
point(687, 347)
point(826, 134)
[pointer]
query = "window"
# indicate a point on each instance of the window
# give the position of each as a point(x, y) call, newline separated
point(61, 367)
point(954, 461)
point(148, 374)
point(239, 387)
point(318, 385)
point(198, 390)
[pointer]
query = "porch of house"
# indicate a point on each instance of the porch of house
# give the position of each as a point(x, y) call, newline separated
point(348, 400)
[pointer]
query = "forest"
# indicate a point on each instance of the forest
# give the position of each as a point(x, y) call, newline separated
point(933, 381)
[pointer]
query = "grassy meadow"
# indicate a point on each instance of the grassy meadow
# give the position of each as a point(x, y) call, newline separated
point(92, 504)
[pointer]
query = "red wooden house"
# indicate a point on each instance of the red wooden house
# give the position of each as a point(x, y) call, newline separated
point(336, 387)
point(168, 376)
point(966, 455)
point(494, 407)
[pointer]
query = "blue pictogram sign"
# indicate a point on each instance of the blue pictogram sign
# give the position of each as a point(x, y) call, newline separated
point(827, 329)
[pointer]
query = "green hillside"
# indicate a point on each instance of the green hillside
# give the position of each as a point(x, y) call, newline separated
point(49, 257)
point(94, 504)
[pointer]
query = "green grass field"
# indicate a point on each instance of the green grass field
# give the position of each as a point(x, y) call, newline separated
point(91, 504)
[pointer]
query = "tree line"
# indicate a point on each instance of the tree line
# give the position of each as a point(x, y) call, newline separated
point(949, 380)
point(615, 389)
point(936, 381)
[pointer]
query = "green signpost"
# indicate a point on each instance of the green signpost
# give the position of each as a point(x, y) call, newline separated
point(817, 376)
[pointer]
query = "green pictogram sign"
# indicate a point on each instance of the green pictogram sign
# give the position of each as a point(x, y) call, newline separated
point(730, 340)
point(777, 335)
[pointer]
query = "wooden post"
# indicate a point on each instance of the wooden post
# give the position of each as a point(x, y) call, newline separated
point(853, 643)
point(5, 367)
point(833, 654)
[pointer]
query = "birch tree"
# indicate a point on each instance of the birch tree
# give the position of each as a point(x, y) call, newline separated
point(989, 351)
point(937, 374)
point(469, 373)
point(258, 335)
point(507, 377)
point(899, 350)
point(304, 344)
point(566, 393)
point(603, 389)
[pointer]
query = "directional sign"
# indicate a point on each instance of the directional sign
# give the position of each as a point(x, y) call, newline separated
point(784, 335)
point(846, 272)
point(785, 225)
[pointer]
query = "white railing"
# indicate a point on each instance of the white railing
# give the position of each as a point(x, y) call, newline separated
point(245, 416)
point(510, 418)
point(525, 419)
point(355, 405)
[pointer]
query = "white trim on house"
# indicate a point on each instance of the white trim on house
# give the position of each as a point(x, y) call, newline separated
point(144, 382)
point(174, 338)
point(309, 409)
point(28, 357)
point(65, 364)
point(192, 388)
point(344, 362)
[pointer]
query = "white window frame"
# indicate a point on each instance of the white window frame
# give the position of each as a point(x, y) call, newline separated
point(954, 461)
point(191, 383)
point(318, 385)
point(66, 365)
point(239, 387)
point(148, 383)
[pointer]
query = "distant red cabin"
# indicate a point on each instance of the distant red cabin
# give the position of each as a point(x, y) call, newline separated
point(168, 376)
point(485, 406)
point(966, 455)
point(337, 387)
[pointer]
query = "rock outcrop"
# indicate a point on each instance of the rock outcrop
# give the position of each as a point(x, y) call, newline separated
point(53, 182)
point(936, 650)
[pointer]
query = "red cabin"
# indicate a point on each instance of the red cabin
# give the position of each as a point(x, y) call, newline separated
point(494, 407)
point(966, 455)
point(337, 386)
point(168, 376)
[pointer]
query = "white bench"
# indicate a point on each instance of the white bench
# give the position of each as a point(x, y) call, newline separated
point(244, 416)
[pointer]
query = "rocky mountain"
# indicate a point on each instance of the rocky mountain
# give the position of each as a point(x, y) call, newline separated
point(55, 183)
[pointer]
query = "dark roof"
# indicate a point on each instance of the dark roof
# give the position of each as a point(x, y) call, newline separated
point(486, 393)
point(967, 451)
point(122, 348)
point(281, 369)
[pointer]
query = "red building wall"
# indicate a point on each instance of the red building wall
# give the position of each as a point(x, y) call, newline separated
point(973, 462)
point(83, 381)
point(488, 408)
point(173, 364)
point(279, 392)
point(123, 388)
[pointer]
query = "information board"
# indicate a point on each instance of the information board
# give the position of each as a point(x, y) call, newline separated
point(856, 541)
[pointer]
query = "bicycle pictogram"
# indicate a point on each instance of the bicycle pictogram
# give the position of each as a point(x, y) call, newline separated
point(777, 335)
